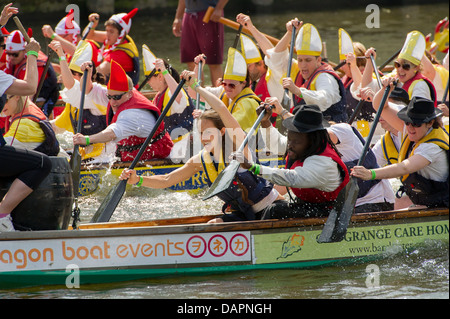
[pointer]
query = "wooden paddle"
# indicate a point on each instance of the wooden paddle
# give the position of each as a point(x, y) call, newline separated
point(226, 176)
point(336, 225)
point(43, 75)
point(286, 101)
point(75, 159)
point(390, 59)
point(234, 25)
point(195, 133)
point(109, 204)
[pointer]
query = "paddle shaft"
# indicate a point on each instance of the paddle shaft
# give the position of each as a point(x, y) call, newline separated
point(390, 59)
point(75, 160)
point(375, 69)
point(234, 25)
point(44, 74)
point(109, 204)
point(446, 92)
point(374, 126)
point(21, 29)
point(147, 78)
point(286, 101)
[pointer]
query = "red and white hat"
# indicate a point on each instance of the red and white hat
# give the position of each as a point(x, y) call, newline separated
point(16, 42)
point(68, 26)
point(124, 20)
point(118, 79)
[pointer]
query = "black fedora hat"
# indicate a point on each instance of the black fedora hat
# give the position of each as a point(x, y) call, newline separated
point(400, 94)
point(419, 110)
point(308, 118)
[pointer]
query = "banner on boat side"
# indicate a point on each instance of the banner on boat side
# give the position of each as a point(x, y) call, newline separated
point(93, 252)
point(359, 242)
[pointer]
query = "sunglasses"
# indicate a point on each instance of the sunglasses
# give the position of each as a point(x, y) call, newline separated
point(3, 46)
point(413, 124)
point(13, 54)
point(230, 85)
point(405, 66)
point(115, 97)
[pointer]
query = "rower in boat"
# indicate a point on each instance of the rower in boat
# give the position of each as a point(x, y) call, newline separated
point(423, 166)
point(265, 79)
point(407, 69)
point(314, 170)
point(435, 71)
point(178, 120)
point(352, 53)
point(249, 196)
point(117, 44)
point(314, 82)
point(67, 32)
point(235, 91)
point(29, 167)
point(15, 50)
point(94, 114)
point(130, 117)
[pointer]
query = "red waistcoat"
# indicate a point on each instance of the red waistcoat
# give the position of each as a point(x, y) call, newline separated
point(314, 195)
point(420, 76)
point(129, 147)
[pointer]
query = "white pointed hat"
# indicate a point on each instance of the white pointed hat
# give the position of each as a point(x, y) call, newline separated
point(414, 47)
point(83, 53)
point(67, 25)
point(236, 68)
point(308, 41)
point(345, 44)
point(249, 49)
point(149, 59)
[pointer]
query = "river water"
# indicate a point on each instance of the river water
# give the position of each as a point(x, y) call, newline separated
point(420, 273)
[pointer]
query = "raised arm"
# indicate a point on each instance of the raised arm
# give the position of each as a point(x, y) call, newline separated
point(260, 38)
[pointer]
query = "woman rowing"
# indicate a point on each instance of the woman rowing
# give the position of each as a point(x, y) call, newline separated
point(178, 120)
point(423, 166)
point(249, 196)
point(407, 69)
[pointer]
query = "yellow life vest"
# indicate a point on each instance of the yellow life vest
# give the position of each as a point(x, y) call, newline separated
point(63, 121)
point(437, 136)
point(390, 151)
point(208, 165)
point(129, 47)
point(29, 131)
point(243, 107)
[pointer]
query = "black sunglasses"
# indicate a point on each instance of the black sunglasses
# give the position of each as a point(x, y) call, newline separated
point(13, 54)
point(115, 97)
point(405, 66)
point(413, 124)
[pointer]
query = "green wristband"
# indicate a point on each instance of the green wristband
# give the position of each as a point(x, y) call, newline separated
point(374, 175)
point(165, 72)
point(141, 180)
point(32, 53)
point(87, 141)
point(195, 85)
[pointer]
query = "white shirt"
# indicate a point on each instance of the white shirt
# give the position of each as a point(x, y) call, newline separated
point(130, 122)
point(438, 169)
point(351, 148)
point(5, 81)
point(378, 151)
point(73, 96)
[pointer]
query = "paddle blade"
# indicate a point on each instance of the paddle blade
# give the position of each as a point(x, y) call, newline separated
point(336, 225)
point(286, 101)
point(109, 204)
point(223, 181)
point(75, 165)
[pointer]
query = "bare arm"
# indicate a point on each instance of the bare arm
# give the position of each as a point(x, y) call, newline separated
point(163, 181)
point(263, 42)
point(389, 112)
point(28, 85)
point(66, 74)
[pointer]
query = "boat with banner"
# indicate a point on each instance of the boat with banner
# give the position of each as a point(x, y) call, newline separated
point(123, 251)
